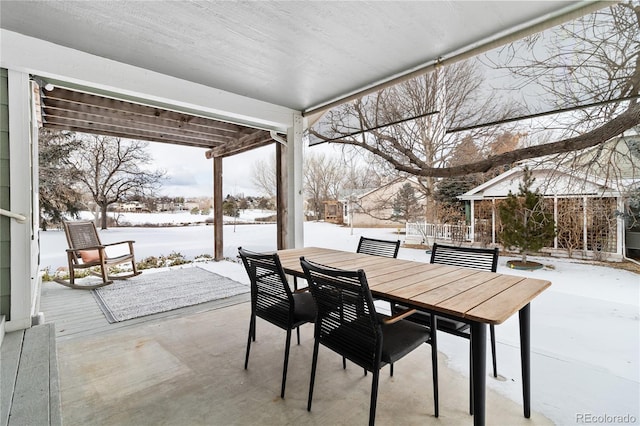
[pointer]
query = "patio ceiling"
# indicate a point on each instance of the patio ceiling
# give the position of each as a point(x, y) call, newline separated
point(305, 56)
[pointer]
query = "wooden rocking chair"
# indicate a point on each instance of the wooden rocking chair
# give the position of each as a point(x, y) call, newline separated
point(86, 251)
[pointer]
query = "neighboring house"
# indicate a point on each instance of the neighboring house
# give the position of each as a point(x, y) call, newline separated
point(584, 198)
point(131, 206)
point(373, 208)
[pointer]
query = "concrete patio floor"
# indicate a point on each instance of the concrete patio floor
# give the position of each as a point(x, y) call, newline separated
point(186, 368)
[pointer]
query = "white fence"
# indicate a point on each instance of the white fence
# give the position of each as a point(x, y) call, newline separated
point(430, 232)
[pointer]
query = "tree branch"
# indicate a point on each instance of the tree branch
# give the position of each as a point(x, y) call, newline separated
point(615, 127)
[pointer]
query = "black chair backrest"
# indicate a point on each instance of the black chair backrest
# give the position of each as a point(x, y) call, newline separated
point(467, 257)
point(376, 247)
point(347, 322)
point(271, 297)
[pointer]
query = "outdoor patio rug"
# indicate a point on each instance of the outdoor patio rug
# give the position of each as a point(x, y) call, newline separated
point(151, 293)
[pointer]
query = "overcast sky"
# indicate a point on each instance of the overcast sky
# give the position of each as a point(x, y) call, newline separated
point(190, 174)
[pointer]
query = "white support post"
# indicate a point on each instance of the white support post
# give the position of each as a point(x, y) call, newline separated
point(295, 190)
point(21, 192)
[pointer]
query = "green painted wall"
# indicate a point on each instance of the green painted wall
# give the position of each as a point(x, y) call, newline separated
point(5, 234)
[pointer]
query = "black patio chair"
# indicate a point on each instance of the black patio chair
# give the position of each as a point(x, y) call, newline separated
point(273, 301)
point(348, 324)
point(376, 247)
point(466, 257)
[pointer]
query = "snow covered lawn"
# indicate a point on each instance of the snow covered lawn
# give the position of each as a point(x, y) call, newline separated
point(585, 329)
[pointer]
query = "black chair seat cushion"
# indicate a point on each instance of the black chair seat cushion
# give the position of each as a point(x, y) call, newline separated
point(278, 313)
point(305, 307)
point(400, 338)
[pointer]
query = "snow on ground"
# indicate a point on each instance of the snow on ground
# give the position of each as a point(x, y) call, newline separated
point(585, 329)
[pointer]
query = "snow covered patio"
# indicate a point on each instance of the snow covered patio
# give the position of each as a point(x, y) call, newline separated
point(585, 360)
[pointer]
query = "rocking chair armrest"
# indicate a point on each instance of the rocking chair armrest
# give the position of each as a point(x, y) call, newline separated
point(399, 316)
point(119, 242)
point(75, 250)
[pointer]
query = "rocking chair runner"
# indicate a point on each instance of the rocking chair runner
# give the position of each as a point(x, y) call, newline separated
point(86, 251)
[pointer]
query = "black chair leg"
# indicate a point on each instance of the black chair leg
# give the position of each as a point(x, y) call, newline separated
point(493, 349)
point(434, 366)
point(313, 372)
point(374, 397)
point(298, 334)
point(470, 380)
point(252, 333)
point(253, 323)
point(286, 362)
point(391, 370)
point(344, 363)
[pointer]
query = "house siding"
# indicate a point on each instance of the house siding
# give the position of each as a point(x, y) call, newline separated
point(5, 225)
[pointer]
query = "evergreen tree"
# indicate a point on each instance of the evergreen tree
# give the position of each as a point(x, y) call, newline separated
point(405, 205)
point(59, 200)
point(525, 223)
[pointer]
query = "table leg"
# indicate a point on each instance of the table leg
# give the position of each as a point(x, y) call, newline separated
point(525, 358)
point(479, 354)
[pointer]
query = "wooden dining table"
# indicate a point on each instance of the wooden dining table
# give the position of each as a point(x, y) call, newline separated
point(477, 297)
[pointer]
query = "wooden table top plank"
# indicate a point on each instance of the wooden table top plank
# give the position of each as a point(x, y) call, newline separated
point(384, 269)
point(460, 292)
point(477, 295)
point(506, 303)
point(430, 275)
point(444, 288)
point(294, 254)
point(411, 271)
point(422, 273)
point(358, 261)
point(447, 285)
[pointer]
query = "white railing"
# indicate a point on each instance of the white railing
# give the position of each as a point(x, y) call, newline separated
point(18, 217)
point(434, 231)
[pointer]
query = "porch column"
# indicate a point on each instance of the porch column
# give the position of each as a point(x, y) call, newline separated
point(218, 243)
point(23, 236)
point(294, 189)
point(282, 217)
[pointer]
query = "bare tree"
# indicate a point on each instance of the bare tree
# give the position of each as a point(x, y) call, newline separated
point(593, 60)
point(418, 146)
point(264, 175)
point(323, 180)
point(599, 52)
point(111, 170)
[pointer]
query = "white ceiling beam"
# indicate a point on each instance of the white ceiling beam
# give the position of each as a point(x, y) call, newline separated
point(49, 60)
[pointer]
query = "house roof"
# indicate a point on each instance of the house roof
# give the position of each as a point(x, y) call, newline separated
point(302, 56)
point(607, 170)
